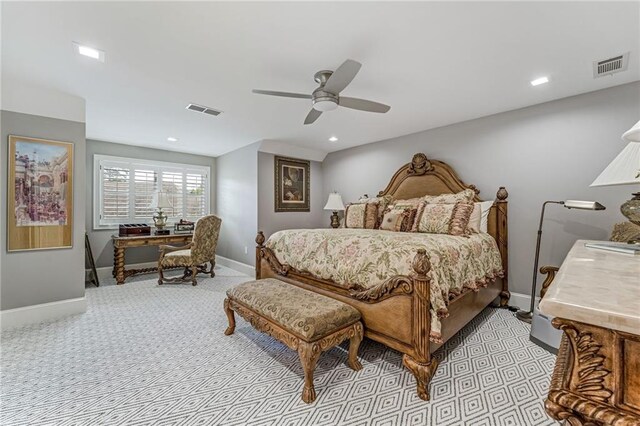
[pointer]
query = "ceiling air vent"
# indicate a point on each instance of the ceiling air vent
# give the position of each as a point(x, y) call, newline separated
point(203, 109)
point(611, 66)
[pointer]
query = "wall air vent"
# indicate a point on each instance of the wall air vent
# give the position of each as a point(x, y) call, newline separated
point(203, 109)
point(611, 66)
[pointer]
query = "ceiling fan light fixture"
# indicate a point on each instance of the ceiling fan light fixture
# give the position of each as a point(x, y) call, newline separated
point(325, 104)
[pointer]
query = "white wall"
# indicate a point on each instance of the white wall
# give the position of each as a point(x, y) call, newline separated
point(52, 277)
point(236, 203)
point(551, 151)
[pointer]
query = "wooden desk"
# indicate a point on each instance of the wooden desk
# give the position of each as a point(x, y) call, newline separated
point(120, 244)
point(596, 301)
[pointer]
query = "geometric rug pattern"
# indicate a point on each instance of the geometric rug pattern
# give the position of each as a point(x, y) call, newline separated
point(145, 354)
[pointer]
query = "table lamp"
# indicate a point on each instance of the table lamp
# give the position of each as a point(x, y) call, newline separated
point(625, 170)
point(162, 202)
point(569, 204)
point(335, 204)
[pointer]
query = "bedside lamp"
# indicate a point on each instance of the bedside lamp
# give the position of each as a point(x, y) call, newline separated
point(335, 204)
point(625, 170)
point(162, 202)
point(569, 204)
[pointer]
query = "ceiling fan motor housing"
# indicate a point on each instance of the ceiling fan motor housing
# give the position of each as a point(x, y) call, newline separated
point(324, 101)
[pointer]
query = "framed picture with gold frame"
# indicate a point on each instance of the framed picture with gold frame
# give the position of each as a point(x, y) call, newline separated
point(291, 185)
point(40, 194)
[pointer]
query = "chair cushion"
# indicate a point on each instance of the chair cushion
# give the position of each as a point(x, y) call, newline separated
point(177, 258)
point(306, 314)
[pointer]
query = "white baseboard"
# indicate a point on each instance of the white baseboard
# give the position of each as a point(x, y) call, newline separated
point(105, 271)
point(521, 301)
point(43, 312)
point(236, 266)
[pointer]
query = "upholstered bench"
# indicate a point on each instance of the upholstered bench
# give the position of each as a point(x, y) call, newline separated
point(303, 320)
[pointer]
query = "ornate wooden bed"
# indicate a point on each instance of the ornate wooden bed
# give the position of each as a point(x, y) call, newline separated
point(396, 313)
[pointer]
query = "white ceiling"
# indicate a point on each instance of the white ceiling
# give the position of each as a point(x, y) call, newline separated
point(434, 63)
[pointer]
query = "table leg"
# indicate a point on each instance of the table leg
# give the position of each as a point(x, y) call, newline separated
point(118, 264)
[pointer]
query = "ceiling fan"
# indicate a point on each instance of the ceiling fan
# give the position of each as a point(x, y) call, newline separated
point(327, 96)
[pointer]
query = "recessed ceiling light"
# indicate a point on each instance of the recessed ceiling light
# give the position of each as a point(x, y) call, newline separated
point(539, 81)
point(333, 139)
point(172, 139)
point(89, 52)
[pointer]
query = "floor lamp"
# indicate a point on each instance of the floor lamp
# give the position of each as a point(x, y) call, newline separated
point(569, 204)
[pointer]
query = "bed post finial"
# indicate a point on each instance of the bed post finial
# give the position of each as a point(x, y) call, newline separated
point(421, 264)
point(260, 239)
point(502, 193)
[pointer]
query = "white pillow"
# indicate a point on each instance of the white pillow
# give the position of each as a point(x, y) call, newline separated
point(484, 219)
point(480, 216)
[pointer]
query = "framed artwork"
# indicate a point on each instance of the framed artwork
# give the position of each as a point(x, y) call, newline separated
point(40, 194)
point(291, 184)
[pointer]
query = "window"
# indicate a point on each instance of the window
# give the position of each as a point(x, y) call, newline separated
point(126, 190)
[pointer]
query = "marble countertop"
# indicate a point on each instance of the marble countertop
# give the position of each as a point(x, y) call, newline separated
point(596, 287)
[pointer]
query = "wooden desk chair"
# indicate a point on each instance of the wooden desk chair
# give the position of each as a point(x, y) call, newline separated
point(195, 255)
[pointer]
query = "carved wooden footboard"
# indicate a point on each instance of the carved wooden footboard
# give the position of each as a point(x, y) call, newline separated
point(395, 313)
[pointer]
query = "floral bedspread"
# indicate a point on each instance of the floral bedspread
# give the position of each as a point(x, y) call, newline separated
point(360, 259)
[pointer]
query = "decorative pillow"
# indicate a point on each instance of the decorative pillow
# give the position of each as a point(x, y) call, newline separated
point(409, 219)
point(480, 216)
point(449, 219)
point(407, 207)
point(411, 203)
point(465, 196)
point(393, 220)
point(382, 203)
point(363, 215)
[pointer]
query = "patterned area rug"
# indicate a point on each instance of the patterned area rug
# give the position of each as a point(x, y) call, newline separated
point(145, 354)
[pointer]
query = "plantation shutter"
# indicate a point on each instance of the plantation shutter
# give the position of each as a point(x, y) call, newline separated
point(126, 190)
point(115, 193)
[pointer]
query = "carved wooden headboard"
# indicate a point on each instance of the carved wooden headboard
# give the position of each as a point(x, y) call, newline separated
point(423, 176)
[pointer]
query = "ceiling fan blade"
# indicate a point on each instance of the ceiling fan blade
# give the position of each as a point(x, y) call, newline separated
point(283, 94)
point(342, 76)
point(312, 116)
point(363, 104)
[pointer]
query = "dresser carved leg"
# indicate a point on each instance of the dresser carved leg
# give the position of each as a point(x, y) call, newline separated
point(118, 262)
point(309, 354)
point(354, 344)
point(423, 372)
point(230, 316)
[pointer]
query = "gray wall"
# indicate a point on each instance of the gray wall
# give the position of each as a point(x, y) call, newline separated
point(101, 238)
point(34, 277)
point(236, 202)
point(551, 151)
point(269, 221)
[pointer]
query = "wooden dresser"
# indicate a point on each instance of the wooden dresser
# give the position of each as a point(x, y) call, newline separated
point(595, 299)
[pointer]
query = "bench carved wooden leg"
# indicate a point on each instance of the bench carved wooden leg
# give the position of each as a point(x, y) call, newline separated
point(309, 354)
point(354, 344)
point(232, 320)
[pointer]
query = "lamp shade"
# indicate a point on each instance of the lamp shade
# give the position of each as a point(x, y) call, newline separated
point(625, 168)
point(334, 202)
point(163, 201)
point(633, 134)
point(583, 205)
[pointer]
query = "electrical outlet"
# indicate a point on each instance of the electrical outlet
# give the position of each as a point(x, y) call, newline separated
point(246, 250)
